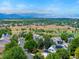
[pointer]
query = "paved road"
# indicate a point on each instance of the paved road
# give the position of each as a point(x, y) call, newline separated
point(29, 56)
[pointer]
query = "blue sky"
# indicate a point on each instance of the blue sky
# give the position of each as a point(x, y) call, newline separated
point(58, 8)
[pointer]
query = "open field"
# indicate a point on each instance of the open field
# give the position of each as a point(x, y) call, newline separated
point(17, 29)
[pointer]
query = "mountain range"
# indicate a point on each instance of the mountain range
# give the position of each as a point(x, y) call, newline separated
point(33, 15)
point(25, 15)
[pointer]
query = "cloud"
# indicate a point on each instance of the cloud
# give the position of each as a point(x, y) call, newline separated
point(5, 5)
point(9, 7)
point(56, 8)
point(20, 6)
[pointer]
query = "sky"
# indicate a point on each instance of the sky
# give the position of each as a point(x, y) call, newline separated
point(58, 8)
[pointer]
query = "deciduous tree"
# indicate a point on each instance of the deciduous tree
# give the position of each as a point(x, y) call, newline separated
point(14, 53)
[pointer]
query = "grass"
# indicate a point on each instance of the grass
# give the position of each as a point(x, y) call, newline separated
point(0, 56)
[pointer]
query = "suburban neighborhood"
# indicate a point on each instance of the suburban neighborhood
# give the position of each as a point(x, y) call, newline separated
point(34, 44)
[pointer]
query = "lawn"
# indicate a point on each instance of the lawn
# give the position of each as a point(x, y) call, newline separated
point(0, 56)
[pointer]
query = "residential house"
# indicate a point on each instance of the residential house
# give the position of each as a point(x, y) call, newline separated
point(52, 49)
point(57, 40)
point(4, 40)
point(59, 43)
point(21, 42)
point(70, 39)
point(36, 37)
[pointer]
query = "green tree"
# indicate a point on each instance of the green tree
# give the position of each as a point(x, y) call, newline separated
point(14, 53)
point(5, 31)
point(77, 53)
point(48, 43)
point(30, 45)
point(40, 44)
point(64, 36)
point(38, 56)
point(10, 45)
point(73, 45)
point(23, 34)
point(53, 56)
point(15, 38)
point(28, 36)
point(63, 54)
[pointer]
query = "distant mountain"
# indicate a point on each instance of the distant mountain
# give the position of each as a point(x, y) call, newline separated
point(34, 15)
point(27, 15)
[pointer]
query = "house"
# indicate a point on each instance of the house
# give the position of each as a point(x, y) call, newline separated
point(70, 39)
point(36, 37)
point(52, 49)
point(5, 36)
point(59, 43)
point(4, 40)
point(21, 42)
point(57, 40)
